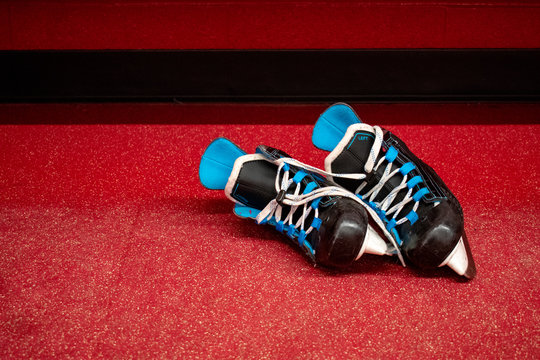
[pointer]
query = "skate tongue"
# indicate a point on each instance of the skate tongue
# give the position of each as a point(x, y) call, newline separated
point(361, 144)
point(357, 142)
point(252, 181)
point(339, 130)
point(274, 154)
point(271, 153)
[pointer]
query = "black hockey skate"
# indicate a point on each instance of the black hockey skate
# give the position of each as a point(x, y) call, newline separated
point(328, 222)
point(415, 205)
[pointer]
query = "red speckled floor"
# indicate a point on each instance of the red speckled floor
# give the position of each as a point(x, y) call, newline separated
point(109, 246)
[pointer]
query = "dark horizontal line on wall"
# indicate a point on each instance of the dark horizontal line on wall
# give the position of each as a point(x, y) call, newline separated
point(384, 75)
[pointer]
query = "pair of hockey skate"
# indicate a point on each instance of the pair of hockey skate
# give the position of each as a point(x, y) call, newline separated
point(370, 175)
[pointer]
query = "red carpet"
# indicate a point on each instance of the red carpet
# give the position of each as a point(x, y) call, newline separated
point(109, 246)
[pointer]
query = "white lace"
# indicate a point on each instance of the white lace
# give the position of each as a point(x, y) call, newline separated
point(385, 203)
point(296, 200)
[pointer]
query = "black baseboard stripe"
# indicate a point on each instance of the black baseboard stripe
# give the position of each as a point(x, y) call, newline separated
point(271, 75)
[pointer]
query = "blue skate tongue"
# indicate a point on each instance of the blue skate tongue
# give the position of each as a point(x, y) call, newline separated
point(331, 128)
point(253, 178)
point(351, 157)
point(217, 163)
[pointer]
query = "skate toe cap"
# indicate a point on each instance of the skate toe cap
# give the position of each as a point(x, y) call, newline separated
point(341, 234)
point(433, 237)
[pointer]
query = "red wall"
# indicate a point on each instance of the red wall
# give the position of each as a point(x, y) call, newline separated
point(138, 24)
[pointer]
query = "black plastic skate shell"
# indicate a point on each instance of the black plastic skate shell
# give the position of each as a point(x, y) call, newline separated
point(433, 234)
point(339, 234)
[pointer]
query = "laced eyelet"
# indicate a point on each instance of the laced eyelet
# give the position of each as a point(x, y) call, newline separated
point(280, 197)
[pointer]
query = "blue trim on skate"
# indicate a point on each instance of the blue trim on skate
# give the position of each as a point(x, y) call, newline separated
point(310, 187)
point(380, 213)
point(217, 163)
point(360, 134)
point(291, 231)
point(245, 212)
point(332, 125)
point(414, 181)
point(391, 224)
point(307, 245)
point(237, 196)
point(391, 154)
point(396, 236)
point(412, 216)
point(420, 193)
point(315, 203)
point(302, 237)
point(316, 223)
point(300, 175)
point(407, 168)
point(279, 226)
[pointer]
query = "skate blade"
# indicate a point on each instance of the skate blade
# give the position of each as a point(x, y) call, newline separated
point(373, 244)
point(460, 259)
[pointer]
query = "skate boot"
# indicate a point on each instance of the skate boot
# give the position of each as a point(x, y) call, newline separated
point(329, 223)
point(415, 205)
